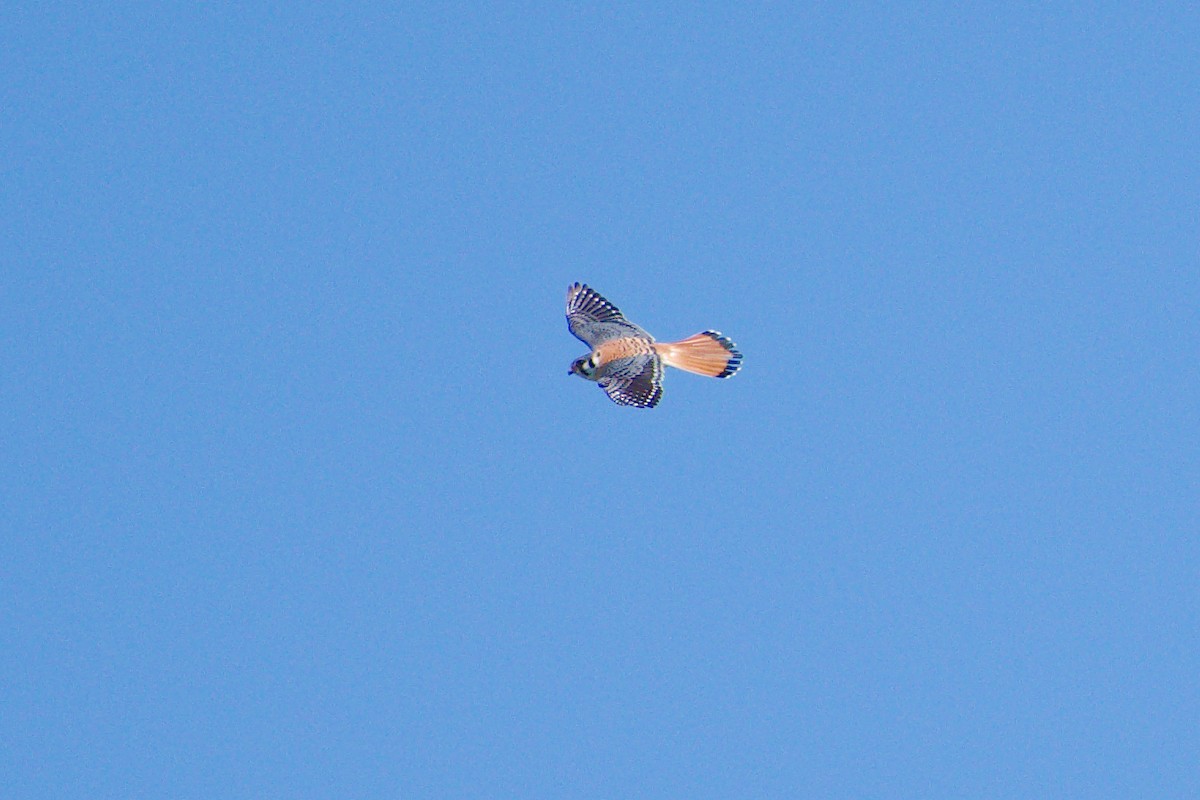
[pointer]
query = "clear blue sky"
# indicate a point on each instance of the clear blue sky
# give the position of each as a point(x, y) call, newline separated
point(299, 500)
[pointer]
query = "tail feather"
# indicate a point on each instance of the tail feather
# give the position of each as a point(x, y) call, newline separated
point(709, 353)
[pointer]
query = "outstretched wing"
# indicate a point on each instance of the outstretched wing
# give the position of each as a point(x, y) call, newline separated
point(634, 381)
point(593, 320)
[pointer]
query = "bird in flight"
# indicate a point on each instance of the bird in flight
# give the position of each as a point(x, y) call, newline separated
point(627, 362)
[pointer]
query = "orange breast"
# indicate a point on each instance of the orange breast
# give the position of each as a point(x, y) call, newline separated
point(623, 348)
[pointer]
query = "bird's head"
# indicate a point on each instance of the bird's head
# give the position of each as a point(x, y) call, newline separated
point(584, 367)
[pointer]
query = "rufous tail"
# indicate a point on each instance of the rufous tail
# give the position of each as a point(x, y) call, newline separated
point(709, 353)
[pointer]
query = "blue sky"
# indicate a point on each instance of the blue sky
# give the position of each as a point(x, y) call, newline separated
point(300, 501)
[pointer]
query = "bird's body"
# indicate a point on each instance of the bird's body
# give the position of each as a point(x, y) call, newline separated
point(626, 347)
point(627, 362)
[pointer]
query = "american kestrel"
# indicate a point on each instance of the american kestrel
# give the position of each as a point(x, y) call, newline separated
point(627, 362)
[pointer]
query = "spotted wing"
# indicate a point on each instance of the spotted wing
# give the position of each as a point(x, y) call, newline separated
point(593, 320)
point(634, 381)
